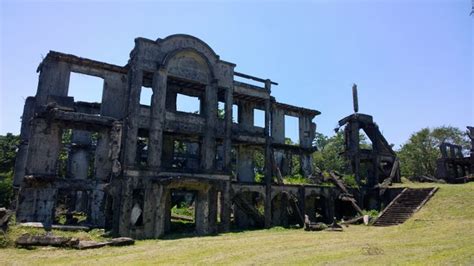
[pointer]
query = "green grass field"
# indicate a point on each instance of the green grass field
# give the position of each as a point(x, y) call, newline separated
point(442, 232)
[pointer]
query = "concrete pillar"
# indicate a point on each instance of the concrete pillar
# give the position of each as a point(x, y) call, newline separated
point(226, 205)
point(202, 212)
point(268, 158)
point(161, 196)
point(157, 118)
point(212, 210)
point(245, 114)
point(22, 154)
point(245, 165)
point(278, 126)
point(131, 122)
point(102, 160)
point(228, 129)
point(114, 96)
point(208, 148)
point(43, 148)
point(171, 97)
point(97, 213)
point(53, 80)
point(78, 161)
point(168, 151)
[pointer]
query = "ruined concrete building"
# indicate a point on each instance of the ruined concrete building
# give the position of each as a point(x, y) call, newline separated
point(124, 164)
point(453, 166)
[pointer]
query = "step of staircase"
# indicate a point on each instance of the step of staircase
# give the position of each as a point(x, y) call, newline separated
point(409, 201)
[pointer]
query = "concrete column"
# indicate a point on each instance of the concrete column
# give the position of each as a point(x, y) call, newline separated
point(212, 211)
point(268, 158)
point(208, 148)
point(278, 126)
point(78, 163)
point(131, 122)
point(202, 212)
point(22, 154)
point(245, 114)
point(228, 129)
point(114, 96)
point(53, 80)
point(43, 148)
point(102, 160)
point(171, 97)
point(168, 150)
point(245, 166)
point(157, 118)
point(225, 207)
point(97, 204)
point(161, 196)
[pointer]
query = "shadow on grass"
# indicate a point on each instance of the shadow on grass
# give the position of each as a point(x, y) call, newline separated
point(181, 229)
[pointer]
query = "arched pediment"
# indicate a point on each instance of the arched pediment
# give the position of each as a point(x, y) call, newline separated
point(190, 65)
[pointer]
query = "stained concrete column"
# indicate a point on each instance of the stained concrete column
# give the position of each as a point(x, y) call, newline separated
point(22, 154)
point(202, 212)
point(212, 210)
point(161, 197)
point(278, 126)
point(226, 205)
point(268, 158)
point(53, 80)
point(157, 118)
point(306, 137)
point(171, 97)
point(245, 165)
point(102, 160)
point(228, 129)
point(131, 122)
point(79, 155)
point(114, 96)
point(208, 148)
point(97, 214)
point(245, 114)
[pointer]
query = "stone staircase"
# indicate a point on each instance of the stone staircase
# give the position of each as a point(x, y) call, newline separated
point(402, 207)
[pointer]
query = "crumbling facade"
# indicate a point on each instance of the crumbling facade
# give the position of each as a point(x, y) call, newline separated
point(453, 166)
point(123, 163)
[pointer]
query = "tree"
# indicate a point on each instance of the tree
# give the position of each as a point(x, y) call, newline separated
point(419, 154)
point(8, 149)
point(328, 157)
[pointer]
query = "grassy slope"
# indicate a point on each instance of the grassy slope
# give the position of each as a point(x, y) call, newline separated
point(441, 232)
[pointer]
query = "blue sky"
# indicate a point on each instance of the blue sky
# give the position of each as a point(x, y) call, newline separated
point(412, 60)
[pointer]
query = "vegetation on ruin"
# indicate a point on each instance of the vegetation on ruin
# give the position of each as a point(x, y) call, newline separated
point(442, 232)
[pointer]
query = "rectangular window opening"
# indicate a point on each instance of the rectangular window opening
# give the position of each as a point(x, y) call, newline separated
point(136, 215)
point(145, 96)
point(142, 149)
point(85, 88)
point(186, 155)
point(188, 104)
point(235, 113)
point(221, 110)
point(292, 130)
point(259, 118)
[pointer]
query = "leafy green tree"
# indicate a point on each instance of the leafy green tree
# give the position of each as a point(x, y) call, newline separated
point(419, 154)
point(8, 149)
point(328, 157)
